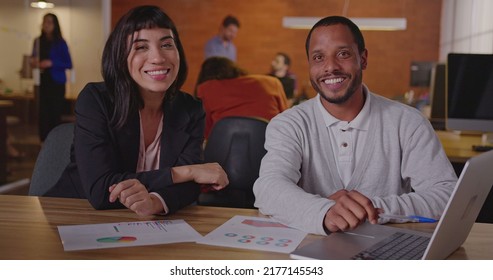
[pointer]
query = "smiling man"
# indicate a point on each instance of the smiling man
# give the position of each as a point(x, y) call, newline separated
point(348, 154)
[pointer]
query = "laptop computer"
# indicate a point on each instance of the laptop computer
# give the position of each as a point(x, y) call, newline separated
point(451, 231)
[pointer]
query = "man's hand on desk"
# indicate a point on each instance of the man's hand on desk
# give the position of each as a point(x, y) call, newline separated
point(135, 197)
point(351, 209)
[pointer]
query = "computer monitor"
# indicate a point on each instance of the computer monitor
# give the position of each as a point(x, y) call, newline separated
point(421, 73)
point(438, 96)
point(470, 93)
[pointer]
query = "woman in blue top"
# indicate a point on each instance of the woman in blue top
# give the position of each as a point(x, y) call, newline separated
point(51, 55)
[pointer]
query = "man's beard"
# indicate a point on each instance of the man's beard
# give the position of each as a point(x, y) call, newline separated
point(355, 84)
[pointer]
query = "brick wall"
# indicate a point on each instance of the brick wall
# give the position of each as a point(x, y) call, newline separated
point(261, 34)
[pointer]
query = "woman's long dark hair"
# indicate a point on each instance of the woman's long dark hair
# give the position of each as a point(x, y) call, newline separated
point(57, 32)
point(123, 90)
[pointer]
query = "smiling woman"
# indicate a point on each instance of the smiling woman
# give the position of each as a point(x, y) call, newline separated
point(137, 139)
point(156, 46)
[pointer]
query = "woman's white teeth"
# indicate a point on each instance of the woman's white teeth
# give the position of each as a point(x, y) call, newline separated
point(333, 81)
point(158, 72)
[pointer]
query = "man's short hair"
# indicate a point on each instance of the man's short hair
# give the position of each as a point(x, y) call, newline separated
point(228, 20)
point(333, 20)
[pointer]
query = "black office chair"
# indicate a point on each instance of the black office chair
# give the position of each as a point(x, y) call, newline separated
point(237, 144)
point(52, 159)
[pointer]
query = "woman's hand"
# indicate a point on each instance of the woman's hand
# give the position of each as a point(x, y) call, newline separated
point(45, 63)
point(211, 174)
point(135, 197)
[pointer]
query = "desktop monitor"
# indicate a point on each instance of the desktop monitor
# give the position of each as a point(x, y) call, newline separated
point(437, 96)
point(421, 73)
point(470, 93)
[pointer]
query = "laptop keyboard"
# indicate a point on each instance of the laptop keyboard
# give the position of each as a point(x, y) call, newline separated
point(398, 246)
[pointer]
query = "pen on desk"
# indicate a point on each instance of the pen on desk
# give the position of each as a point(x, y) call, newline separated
point(414, 219)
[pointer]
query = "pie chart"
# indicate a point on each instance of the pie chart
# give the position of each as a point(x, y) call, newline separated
point(117, 239)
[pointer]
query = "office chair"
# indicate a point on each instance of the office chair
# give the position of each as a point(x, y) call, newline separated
point(237, 144)
point(52, 159)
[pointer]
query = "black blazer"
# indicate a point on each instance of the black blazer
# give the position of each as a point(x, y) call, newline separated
point(102, 156)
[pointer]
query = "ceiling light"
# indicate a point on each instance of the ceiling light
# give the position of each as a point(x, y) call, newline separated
point(42, 5)
point(380, 24)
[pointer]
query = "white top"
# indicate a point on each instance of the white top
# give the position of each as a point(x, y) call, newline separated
point(149, 157)
point(348, 139)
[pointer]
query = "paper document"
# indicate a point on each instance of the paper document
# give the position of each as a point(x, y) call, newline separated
point(126, 234)
point(255, 233)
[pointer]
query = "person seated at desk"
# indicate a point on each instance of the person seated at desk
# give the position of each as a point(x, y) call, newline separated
point(137, 139)
point(280, 69)
point(227, 90)
point(348, 154)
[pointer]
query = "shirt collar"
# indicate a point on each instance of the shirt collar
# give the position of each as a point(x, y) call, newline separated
point(361, 122)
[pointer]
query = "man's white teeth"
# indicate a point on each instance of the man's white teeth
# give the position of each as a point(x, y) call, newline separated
point(333, 81)
point(158, 72)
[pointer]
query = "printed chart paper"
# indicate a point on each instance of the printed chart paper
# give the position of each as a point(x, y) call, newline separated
point(255, 233)
point(126, 234)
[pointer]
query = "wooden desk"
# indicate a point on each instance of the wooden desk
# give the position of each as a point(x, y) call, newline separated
point(28, 230)
point(4, 105)
point(458, 147)
point(24, 106)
